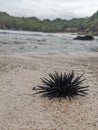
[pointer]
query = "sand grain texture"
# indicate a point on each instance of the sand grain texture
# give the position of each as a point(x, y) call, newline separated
point(19, 110)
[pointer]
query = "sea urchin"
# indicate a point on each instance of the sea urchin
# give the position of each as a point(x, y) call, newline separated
point(62, 86)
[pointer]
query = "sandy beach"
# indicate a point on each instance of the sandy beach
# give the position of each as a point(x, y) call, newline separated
point(20, 110)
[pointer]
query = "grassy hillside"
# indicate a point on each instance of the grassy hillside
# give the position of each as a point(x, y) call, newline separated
point(80, 25)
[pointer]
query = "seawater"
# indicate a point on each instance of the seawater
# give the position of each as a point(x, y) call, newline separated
point(30, 42)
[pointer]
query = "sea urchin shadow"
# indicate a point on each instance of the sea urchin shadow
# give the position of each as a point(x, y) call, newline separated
point(62, 85)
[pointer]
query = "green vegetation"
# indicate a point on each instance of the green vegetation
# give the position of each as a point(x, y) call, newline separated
point(80, 25)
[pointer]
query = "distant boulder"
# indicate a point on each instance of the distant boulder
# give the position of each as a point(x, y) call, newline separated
point(87, 37)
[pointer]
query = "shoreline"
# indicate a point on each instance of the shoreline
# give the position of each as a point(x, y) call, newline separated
point(74, 33)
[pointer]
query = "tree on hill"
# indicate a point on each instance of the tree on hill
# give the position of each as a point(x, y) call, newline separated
point(88, 24)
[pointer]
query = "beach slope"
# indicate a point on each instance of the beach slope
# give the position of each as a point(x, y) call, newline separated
point(20, 110)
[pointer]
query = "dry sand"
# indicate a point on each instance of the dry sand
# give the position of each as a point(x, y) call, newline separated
point(19, 110)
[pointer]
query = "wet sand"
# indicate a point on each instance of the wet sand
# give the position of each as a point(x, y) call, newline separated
point(20, 110)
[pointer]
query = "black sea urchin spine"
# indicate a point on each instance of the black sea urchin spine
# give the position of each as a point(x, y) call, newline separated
point(61, 85)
